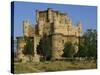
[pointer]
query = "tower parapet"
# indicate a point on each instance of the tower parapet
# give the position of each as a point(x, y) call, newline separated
point(79, 28)
point(26, 28)
point(55, 25)
point(50, 15)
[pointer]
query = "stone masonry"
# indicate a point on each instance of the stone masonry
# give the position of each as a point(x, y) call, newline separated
point(51, 23)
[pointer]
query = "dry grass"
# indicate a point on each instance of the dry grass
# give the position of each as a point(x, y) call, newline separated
point(53, 66)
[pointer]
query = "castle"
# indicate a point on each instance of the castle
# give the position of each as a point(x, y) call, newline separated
point(53, 25)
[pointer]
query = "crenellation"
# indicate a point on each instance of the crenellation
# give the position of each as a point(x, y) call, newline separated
point(54, 24)
point(37, 15)
point(25, 28)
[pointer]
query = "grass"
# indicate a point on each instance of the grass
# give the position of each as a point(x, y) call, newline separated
point(49, 66)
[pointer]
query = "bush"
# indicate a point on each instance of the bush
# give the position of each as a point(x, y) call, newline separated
point(69, 50)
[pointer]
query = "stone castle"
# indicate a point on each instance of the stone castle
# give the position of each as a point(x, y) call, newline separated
point(54, 25)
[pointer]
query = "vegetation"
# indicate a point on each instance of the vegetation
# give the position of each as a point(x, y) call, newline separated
point(48, 66)
point(44, 48)
point(87, 49)
point(69, 50)
point(29, 47)
point(88, 44)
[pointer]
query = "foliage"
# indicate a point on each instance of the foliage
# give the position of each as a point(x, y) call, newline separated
point(88, 44)
point(69, 50)
point(29, 47)
point(44, 47)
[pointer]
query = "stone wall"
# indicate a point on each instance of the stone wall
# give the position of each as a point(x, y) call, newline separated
point(26, 28)
point(21, 55)
point(51, 23)
point(20, 48)
point(57, 46)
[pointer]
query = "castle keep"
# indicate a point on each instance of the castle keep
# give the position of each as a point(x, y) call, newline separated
point(54, 27)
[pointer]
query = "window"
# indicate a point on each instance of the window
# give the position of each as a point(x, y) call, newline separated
point(62, 41)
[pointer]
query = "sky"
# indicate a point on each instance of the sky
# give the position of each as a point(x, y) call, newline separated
point(27, 10)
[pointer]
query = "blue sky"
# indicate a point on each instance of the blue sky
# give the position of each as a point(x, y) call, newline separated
point(26, 10)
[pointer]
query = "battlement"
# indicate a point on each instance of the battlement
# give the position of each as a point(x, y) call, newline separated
point(50, 15)
point(54, 26)
point(51, 22)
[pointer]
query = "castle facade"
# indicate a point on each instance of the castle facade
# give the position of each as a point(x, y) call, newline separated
point(52, 25)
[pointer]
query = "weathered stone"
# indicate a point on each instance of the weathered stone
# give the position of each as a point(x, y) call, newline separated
point(36, 58)
point(53, 24)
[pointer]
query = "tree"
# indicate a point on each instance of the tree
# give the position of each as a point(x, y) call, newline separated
point(29, 47)
point(44, 48)
point(69, 49)
point(88, 44)
point(90, 38)
point(82, 49)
